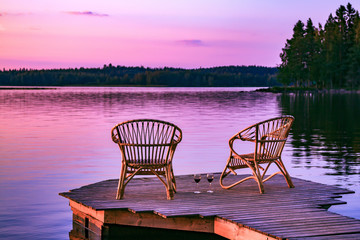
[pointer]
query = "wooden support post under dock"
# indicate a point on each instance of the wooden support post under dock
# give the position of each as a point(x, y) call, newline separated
point(238, 213)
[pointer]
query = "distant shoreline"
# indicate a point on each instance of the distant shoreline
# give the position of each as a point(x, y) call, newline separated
point(27, 88)
point(229, 76)
point(260, 89)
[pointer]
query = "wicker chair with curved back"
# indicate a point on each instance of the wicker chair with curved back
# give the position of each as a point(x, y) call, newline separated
point(147, 148)
point(269, 138)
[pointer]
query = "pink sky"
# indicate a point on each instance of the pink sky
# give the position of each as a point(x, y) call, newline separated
point(152, 33)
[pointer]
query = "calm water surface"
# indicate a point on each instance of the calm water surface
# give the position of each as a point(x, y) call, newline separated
point(55, 140)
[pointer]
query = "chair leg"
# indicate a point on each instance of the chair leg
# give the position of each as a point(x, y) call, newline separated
point(225, 173)
point(285, 173)
point(173, 179)
point(121, 185)
point(259, 181)
point(169, 183)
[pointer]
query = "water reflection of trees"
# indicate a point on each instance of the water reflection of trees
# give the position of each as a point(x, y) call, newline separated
point(326, 128)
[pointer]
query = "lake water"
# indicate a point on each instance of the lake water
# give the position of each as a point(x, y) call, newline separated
point(52, 141)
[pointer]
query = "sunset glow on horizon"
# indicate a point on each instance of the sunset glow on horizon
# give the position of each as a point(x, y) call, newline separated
point(43, 34)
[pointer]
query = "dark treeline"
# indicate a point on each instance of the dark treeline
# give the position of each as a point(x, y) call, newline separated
point(324, 57)
point(110, 75)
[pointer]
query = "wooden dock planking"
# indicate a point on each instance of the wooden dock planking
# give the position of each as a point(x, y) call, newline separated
point(238, 213)
point(331, 237)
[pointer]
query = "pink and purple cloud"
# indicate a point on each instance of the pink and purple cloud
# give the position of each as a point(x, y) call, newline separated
point(192, 42)
point(88, 13)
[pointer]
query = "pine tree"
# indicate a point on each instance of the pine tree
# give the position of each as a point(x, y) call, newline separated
point(292, 69)
point(330, 48)
point(353, 60)
point(339, 39)
point(312, 41)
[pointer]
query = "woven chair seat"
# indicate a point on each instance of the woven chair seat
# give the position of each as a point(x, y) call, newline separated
point(147, 164)
point(237, 162)
point(260, 158)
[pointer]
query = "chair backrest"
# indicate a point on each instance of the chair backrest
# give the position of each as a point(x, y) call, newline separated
point(271, 136)
point(146, 141)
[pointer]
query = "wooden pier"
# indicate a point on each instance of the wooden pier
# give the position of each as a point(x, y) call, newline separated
point(238, 213)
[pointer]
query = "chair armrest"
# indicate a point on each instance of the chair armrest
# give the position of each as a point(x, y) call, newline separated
point(177, 137)
point(231, 143)
point(247, 134)
point(233, 139)
point(176, 141)
point(114, 137)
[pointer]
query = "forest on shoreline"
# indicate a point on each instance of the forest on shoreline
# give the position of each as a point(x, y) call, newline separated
point(324, 57)
point(109, 75)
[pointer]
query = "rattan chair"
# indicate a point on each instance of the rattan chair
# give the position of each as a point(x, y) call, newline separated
point(147, 148)
point(269, 138)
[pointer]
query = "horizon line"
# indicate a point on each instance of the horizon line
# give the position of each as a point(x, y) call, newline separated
point(115, 66)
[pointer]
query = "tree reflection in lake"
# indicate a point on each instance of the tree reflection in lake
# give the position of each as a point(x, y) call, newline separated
point(327, 128)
